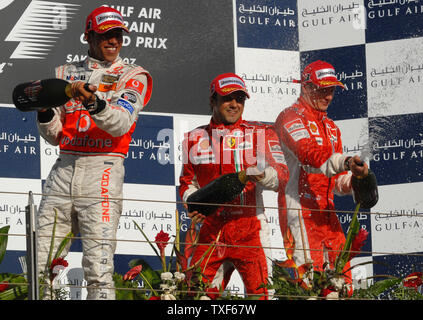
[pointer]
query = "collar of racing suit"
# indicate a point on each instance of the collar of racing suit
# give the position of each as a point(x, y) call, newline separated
point(221, 126)
point(317, 113)
point(95, 63)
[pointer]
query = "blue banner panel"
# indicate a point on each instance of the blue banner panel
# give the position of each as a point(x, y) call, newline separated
point(150, 159)
point(11, 263)
point(397, 148)
point(19, 145)
point(397, 265)
point(392, 20)
point(351, 102)
point(267, 24)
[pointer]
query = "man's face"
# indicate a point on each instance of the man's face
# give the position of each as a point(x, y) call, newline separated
point(105, 46)
point(319, 98)
point(228, 109)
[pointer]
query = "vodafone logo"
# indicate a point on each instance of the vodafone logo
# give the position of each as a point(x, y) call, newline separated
point(84, 123)
point(135, 85)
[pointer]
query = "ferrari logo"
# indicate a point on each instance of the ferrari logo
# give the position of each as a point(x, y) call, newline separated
point(231, 141)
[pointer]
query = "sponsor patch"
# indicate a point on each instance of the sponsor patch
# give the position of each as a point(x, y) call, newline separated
point(204, 159)
point(203, 146)
point(294, 125)
point(108, 78)
point(129, 96)
point(301, 134)
point(77, 77)
point(333, 132)
point(108, 83)
point(276, 151)
point(279, 157)
point(105, 87)
point(274, 146)
point(126, 105)
point(135, 85)
point(313, 128)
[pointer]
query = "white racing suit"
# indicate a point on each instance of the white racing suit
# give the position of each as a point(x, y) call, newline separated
point(85, 184)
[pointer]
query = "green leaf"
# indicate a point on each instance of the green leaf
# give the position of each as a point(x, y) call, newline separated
point(63, 244)
point(3, 241)
point(132, 294)
point(50, 251)
point(14, 292)
point(353, 230)
point(147, 239)
point(151, 278)
point(378, 287)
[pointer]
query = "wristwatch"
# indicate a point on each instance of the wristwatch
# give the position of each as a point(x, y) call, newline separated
point(347, 163)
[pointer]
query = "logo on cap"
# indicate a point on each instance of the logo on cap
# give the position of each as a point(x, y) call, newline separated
point(321, 74)
point(227, 83)
point(104, 19)
point(107, 16)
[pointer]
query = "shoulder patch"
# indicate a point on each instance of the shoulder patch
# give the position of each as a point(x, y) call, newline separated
point(135, 85)
point(294, 125)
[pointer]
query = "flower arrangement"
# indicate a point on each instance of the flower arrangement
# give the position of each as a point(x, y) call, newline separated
point(330, 284)
point(55, 266)
point(9, 290)
point(174, 281)
point(184, 281)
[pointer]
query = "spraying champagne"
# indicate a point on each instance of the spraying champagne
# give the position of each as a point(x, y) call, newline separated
point(365, 190)
point(42, 94)
point(221, 190)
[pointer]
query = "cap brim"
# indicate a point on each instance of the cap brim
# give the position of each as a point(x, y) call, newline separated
point(110, 26)
point(228, 90)
point(326, 83)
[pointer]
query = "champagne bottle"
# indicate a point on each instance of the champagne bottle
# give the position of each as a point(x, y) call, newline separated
point(365, 190)
point(221, 190)
point(41, 94)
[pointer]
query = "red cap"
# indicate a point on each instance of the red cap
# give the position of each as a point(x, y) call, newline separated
point(104, 19)
point(320, 73)
point(227, 83)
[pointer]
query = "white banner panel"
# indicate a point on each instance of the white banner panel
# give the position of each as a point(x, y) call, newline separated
point(268, 75)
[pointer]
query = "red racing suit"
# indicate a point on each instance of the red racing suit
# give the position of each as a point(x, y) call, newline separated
point(312, 146)
point(85, 184)
point(211, 151)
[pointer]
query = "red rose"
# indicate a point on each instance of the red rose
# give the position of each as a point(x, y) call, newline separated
point(358, 242)
point(58, 262)
point(4, 285)
point(413, 280)
point(154, 298)
point(162, 239)
point(131, 274)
